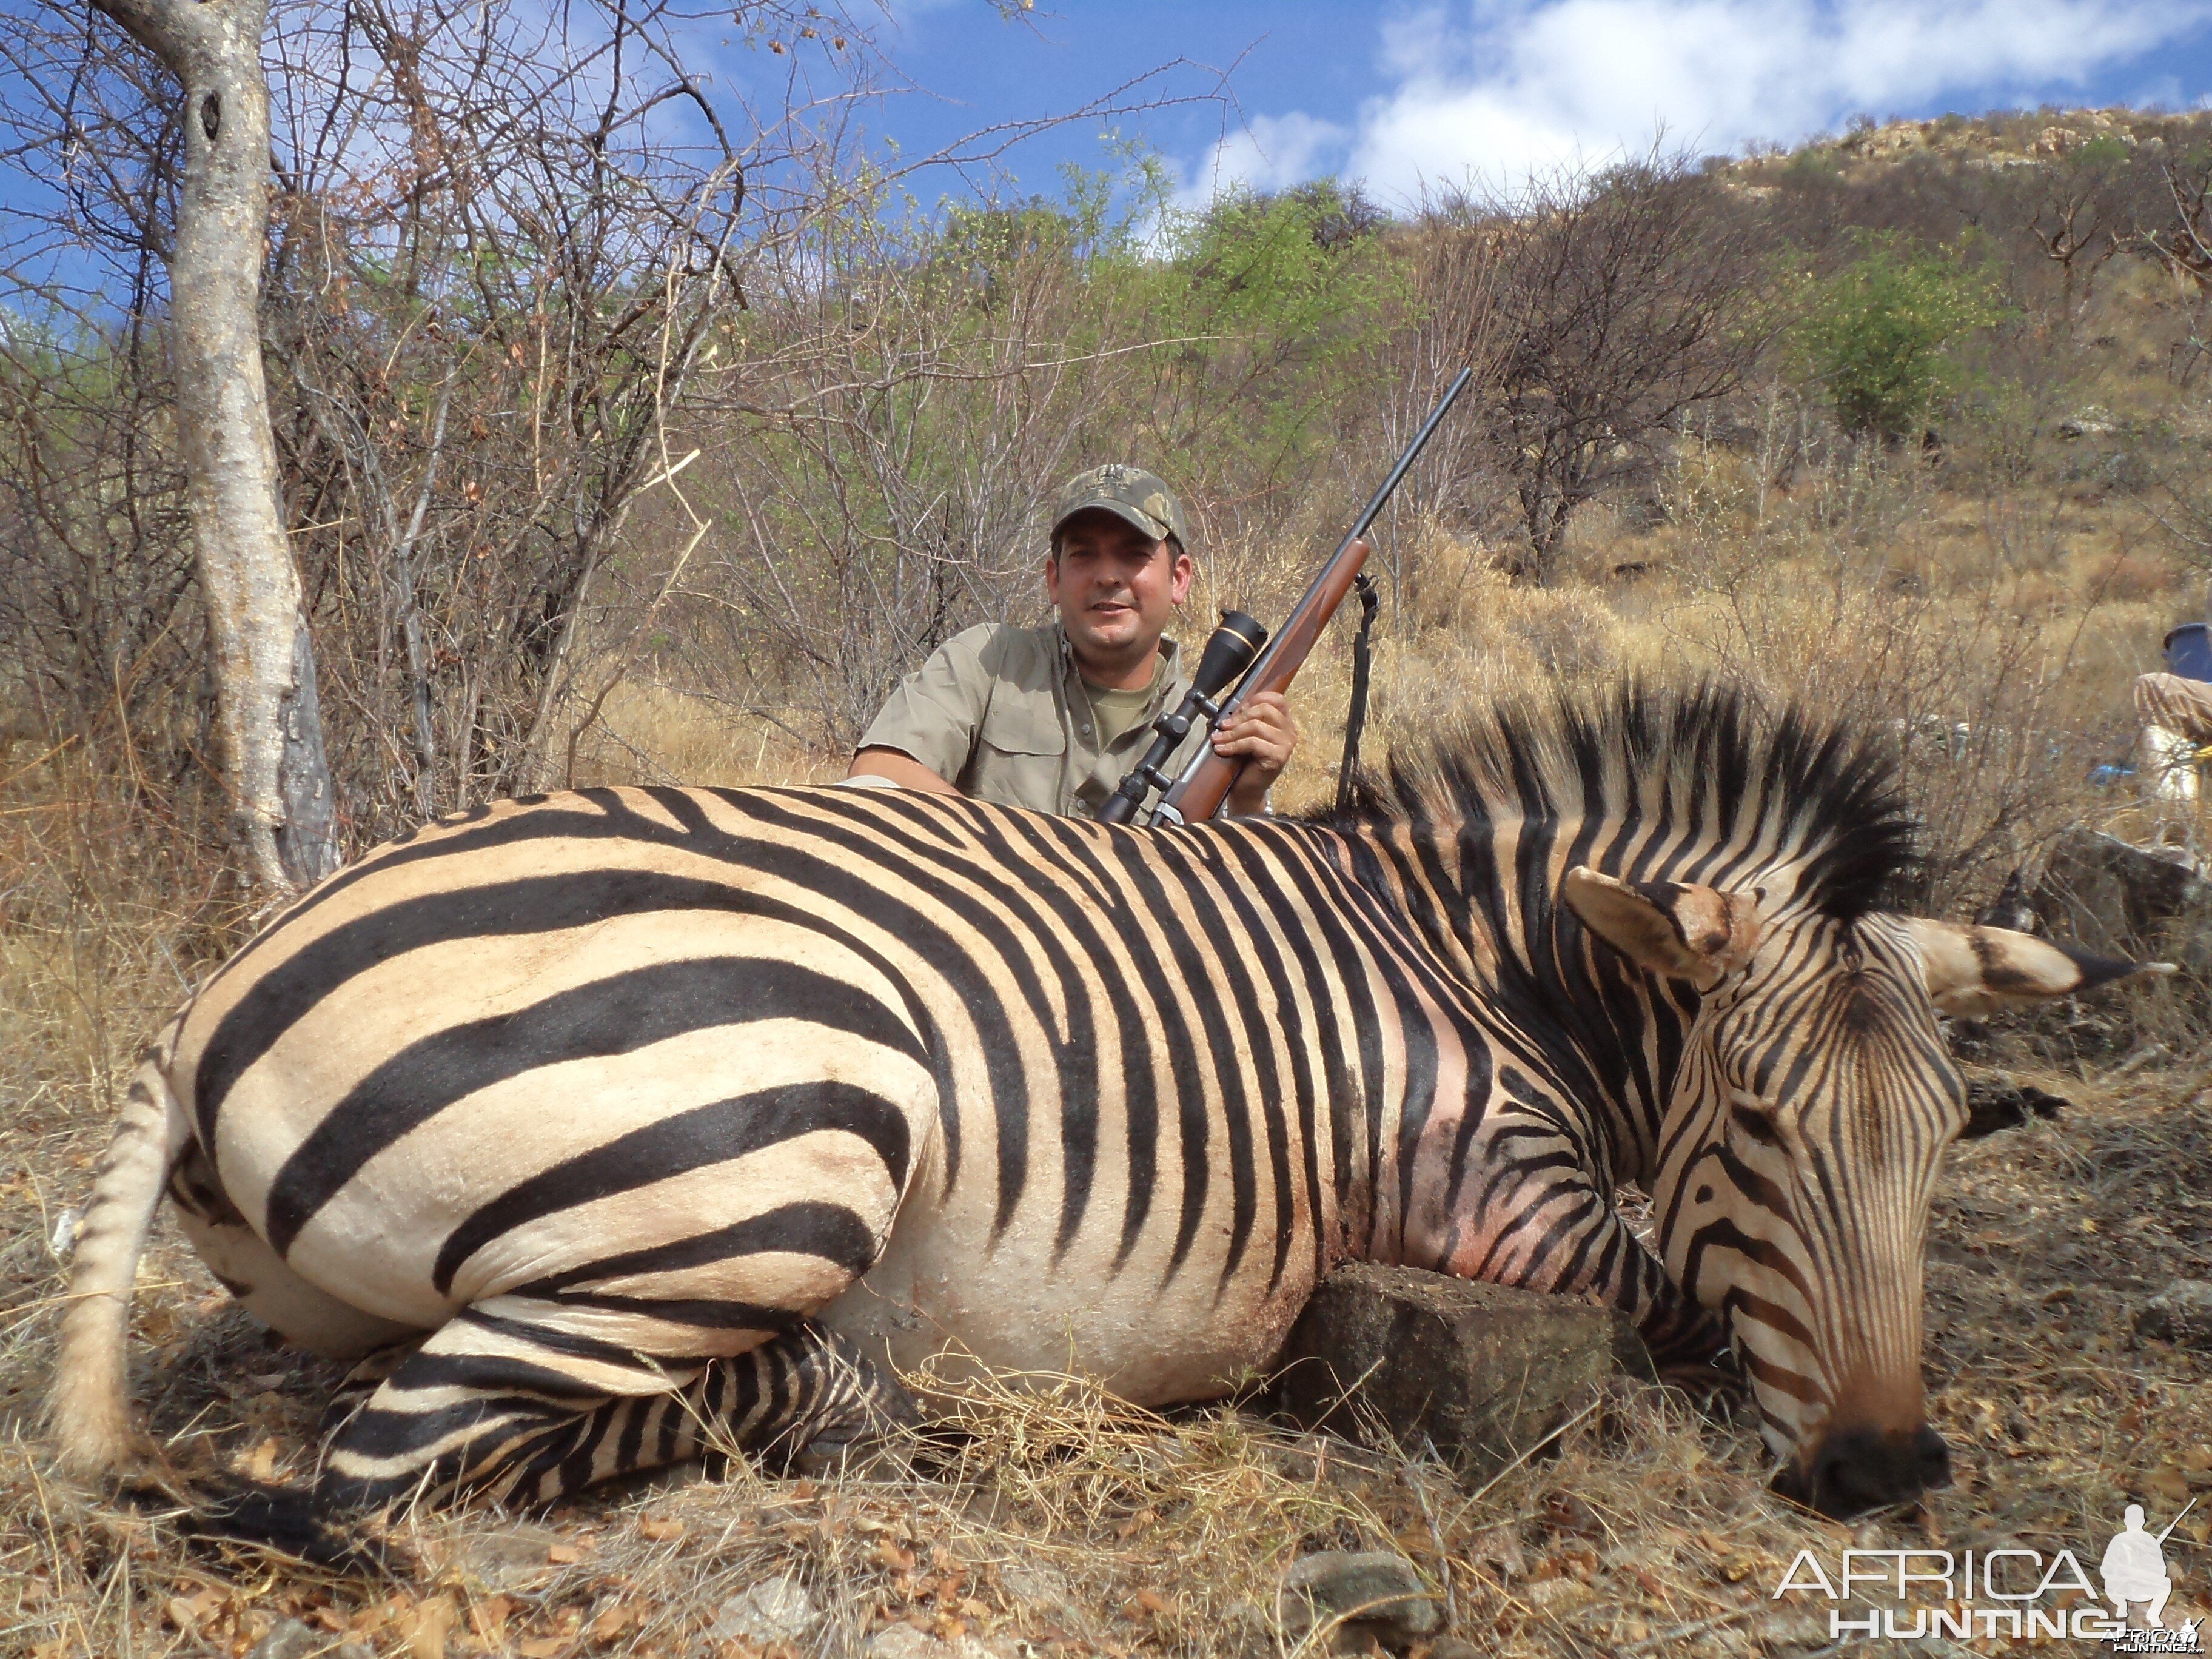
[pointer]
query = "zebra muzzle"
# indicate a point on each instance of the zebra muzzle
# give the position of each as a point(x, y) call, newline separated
point(1853, 1470)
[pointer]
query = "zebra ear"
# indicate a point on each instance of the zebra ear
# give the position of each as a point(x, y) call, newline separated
point(1973, 971)
point(1678, 932)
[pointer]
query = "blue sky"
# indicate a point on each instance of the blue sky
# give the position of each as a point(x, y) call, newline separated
point(1398, 94)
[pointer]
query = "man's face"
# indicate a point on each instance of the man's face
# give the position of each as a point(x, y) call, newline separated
point(1115, 587)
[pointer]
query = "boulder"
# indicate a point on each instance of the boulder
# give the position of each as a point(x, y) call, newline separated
point(2180, 1314)
point(2119, 900)
point(290, 1639)
point(1376, 1592)
point(777, 1609)
point(1484, 1372)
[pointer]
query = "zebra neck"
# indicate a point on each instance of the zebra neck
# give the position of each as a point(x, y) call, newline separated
point(1485, 898)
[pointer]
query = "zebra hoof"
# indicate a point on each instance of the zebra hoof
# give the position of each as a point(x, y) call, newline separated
point(285, 1520)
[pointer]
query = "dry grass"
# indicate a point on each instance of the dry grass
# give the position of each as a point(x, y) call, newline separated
point(1070, 1523)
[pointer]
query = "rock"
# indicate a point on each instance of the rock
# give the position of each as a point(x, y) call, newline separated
point(1998, 1102)
point(290, 1639)
point(777, 1609)
point(1035, 1587)
point(514, 1558)
point(2090, 421)
point(2010, 908)
point(2116, 899)
point(2180, 1314)
point(905, 1641)
point(1376, 1592)
point(1486, 1373)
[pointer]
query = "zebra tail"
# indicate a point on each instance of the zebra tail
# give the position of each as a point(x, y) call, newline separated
point(88, 1402)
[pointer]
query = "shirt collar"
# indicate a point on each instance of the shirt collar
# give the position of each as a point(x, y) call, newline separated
point(1164, 685)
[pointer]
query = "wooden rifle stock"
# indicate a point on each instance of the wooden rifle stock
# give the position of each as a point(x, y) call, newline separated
point(1206, 781)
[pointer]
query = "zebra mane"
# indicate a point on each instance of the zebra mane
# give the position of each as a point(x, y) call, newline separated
point(1711, 752)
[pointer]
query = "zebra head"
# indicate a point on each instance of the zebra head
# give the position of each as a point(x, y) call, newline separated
point(1799, 1152)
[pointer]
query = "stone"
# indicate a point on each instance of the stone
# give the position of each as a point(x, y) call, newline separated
point(1376, 1592)
point(777, 1609)
point(288, 1638)
point(1484, 1372)
point(2180, 1314)
point(514, 1558)
point(1035, 1587)
point(905, 1641)
point(2119, 900)
point(1998, 1102)
point(2088, 422)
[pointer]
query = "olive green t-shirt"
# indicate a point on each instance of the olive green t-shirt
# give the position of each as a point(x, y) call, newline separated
point(1003, 714)
point(1117, 711)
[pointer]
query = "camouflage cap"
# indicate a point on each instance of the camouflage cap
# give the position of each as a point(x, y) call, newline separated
point(1130, 494)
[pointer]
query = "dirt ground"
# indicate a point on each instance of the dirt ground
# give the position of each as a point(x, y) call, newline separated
point(1067, 1524)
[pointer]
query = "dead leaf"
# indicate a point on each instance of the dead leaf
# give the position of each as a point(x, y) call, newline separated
point(890, 1555)
point(2170, 1484)
point(489, 1617)
point(262, 1465)
point(563, 1555)
point(423, 1629)
point(661, 1532)
point(612, 1622)
point(541, 1646)
point(188, 1612)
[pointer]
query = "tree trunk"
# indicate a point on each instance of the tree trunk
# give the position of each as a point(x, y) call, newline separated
point(270, 720)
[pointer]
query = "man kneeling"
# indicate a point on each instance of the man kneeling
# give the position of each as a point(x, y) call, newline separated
point(1051, 718)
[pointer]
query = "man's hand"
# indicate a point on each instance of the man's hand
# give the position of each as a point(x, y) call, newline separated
point(1262, 734)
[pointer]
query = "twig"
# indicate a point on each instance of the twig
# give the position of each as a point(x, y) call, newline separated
point(1698, 1627)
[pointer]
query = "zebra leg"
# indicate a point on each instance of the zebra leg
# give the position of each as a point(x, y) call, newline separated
point(482, 1396)
point(361, 1383)
point(805, 1403)
point(491, 1405)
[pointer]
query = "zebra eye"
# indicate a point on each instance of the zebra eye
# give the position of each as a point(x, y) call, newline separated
point(1752, 1120)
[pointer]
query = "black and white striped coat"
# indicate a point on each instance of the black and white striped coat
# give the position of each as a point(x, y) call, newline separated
point(556, 1107)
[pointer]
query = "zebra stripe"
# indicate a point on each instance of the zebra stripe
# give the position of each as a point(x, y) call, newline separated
point(614, 1112)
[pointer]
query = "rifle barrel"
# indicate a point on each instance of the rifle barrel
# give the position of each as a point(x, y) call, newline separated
point(2177, 1520)
point(1290, 634)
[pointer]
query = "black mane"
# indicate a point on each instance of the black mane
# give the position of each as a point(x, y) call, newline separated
point(1712, 749)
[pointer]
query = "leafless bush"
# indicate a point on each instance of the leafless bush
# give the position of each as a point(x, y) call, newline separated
point(1623, 297)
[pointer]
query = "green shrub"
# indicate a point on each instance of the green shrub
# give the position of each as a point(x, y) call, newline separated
point(1882, 335)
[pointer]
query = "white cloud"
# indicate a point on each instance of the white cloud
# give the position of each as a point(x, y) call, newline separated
point(1497, 89)
point(1270, 152)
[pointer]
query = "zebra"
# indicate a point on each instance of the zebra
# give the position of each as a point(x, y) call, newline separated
point(596, 1124)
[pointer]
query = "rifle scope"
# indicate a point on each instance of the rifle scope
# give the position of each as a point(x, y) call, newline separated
point(1228, 654)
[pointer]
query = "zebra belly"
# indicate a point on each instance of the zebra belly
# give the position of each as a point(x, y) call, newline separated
point(945, 1297)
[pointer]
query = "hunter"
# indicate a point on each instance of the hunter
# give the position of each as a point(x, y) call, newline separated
point(1050, 718)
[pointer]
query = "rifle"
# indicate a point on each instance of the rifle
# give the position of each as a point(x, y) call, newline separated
point(1237, 648)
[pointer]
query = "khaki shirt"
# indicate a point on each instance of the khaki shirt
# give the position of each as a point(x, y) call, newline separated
point(1002, 714)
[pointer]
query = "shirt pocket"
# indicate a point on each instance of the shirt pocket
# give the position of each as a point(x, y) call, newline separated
point(1018, 759)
